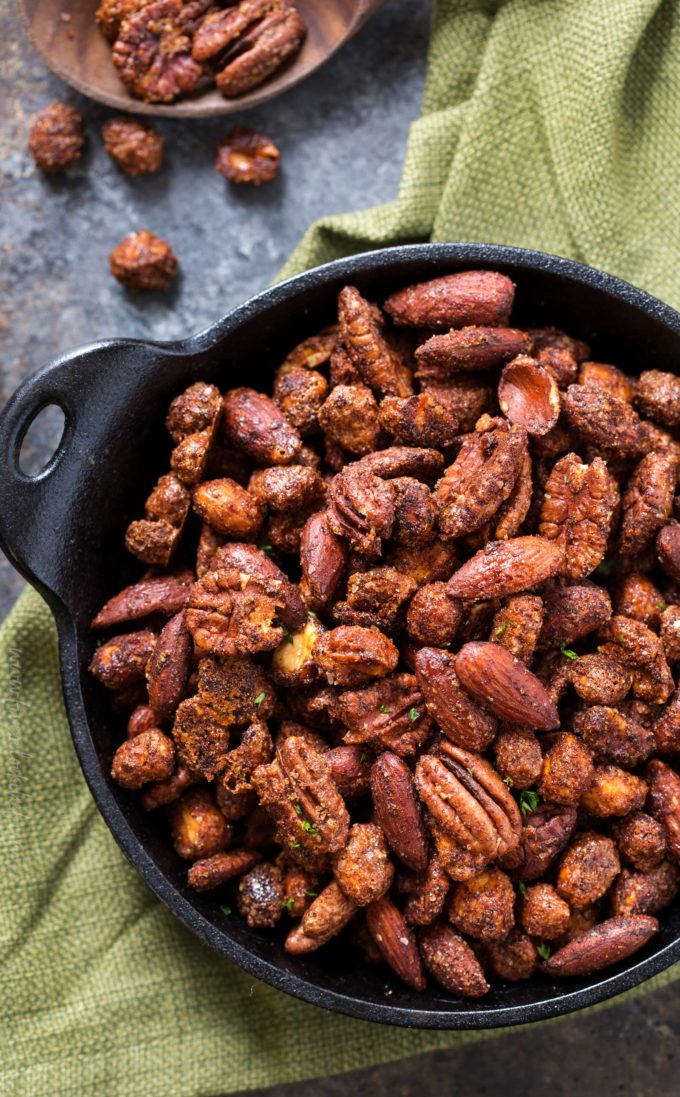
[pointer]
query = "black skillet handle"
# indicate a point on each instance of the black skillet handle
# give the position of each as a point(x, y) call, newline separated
point(36, 512)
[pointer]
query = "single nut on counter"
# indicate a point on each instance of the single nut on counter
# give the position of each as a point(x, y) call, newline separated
point(143, 262)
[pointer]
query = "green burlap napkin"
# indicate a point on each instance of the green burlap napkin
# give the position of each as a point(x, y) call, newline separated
point(549, 123)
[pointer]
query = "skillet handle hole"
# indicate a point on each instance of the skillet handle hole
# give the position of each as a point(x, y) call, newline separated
point(40, 443)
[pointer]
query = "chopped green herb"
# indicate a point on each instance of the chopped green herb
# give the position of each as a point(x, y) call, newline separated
point(298, 809)
point(363, 757)
point(528, 800)
point(533, 590)
point(312, 894)
point(260, 698)
point(287, 635)
point(312, 614)
point(469, 771)
point(662, 606)
point(594, 933)
point(306, 825)
point(522, 888)
point(568, 653)
point(293, 845)
point(500, 630)
point(266, 548)
point(543, 950)
point(604, 567)
point(226, 911)
point(384, 708)
point(413, 715)
point(508, 781)
point(288, 903)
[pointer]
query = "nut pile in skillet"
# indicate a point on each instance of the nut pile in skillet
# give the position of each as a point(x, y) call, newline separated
point(403, 663)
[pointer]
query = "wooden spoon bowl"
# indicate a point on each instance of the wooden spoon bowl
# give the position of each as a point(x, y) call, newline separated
point(71, 44)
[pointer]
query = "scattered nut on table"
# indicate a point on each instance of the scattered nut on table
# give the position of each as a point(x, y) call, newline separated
point(135, 147)
point(422, 680)
point(57, 138)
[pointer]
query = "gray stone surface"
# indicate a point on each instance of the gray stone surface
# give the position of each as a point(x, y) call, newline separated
point(342, 134)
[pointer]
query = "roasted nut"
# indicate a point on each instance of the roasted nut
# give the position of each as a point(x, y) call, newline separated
point(235, 777)
point(578, 510)
point(417, 462)
point(637, 647)
point(528, 395)
point(323, 556)
point(558, 352)
point(636, 596)
point(599, 680)
point(513, 958)
point(668, 550)
point(664, 803)
point(670, 633)
point(450, 706)
point(607, 377)
point(395, 940)
point(154, 538)
point(506, 567)
point(201, 736)
point(542, 913)
point(471, 297)
point(198, 827)
point(645, 892)
point(141, 719)
point(238, 690)
point(657, 394)
point(517, 625)
point(111, 13)
point(469, 803)
point(572, 612)
point(424, 563)
point(483, 906)
point(288, 488)
point(297, 789)
point(423, 420)
point(121, 662)
point(481, 478)
point(253, 37)
point(363, 337)
point(451, 961)
point(375, 597)
point(254, 424)
point(246, 156)
point(300, 393)
point(472, 348)
point(387, 715)
point(605, 421)
point(614, 736)
point(150, 756)
point(613, 791)
point(360, 508)
point(587, 869)
point(142, 261)
point(432, 618)
point(228, 508)
point(166, 594)
point(324, 919)
point(363, 868)
point(168, 669)
point(213, 871)
point(57, 137)
point(428, 895)
point(152, 52)
point(350, 417)
point(232, 613)
point(350, 770)
point(292, 661)
point(518, 755)
point(467, 397)
point(606, 944)
point(299, 887)
point(504, 685)
point(647, 501)
point(545, 833)
point(260, 896)
point(666, 727)
point(567, 770)
point(397, 810)
point(160, 793)
point(350, 655)
point(641, 840)
point(192, 421)
point(414, 512)
point(135, 147)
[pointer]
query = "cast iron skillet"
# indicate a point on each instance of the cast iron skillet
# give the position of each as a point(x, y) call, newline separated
point(63, 530)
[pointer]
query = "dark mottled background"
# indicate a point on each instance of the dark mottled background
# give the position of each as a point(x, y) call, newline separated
point(342, 134)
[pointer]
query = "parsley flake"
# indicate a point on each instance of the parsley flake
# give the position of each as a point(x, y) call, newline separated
point(500, 630)
point(662, 606)
point(363, 757)
point(543, 950)
point(226, 911)
point(287, 635)
point(312, 894)
point(528, 800)
point(260, 698)
point(298, 809)
point(288, 903)
point(568, 653)
point(522, 888)
point(293, 845)
point(508, 781)
point(384, 708)
point(469, 771)
point(306, 825)
point(413, 715)
point(266, 548)
point(604, 567)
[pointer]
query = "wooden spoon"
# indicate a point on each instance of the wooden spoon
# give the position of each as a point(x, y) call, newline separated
point(68, 39)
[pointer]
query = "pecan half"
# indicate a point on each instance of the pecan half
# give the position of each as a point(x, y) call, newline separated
point(153, 53)
point(248, 42)
point(647, 501)
point(363, 337)
point(388, 715)
point(481, 478)
point(350, 655)
point(361, 508)
point(578, 510)
point(212, 872)
point(664, 803)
